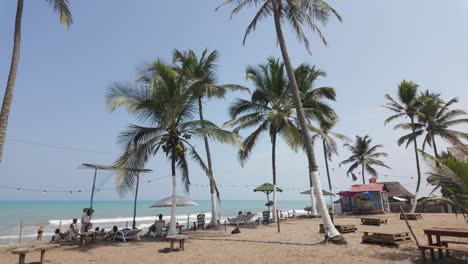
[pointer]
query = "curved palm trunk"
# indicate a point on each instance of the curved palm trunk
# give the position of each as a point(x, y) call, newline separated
point(10, 87)
point(415, 202)
point(330, 230)
point(214, 215)
point(325, 153)
point(436, 155)
point(135, 201)
point(273, 166)
point(172, 225)
point(363, 177)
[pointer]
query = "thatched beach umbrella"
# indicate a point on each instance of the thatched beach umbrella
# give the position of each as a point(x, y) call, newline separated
point(180, 201)
point(267, 188)
point(325, 193)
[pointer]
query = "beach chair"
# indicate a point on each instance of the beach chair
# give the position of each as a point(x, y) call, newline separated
point(127, 234)
point(236, 221)
point(266, 217)
point(201, 221)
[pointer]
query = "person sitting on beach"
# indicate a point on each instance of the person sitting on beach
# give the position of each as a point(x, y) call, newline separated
point(72, 232)
point(39, 232)
point(57, 237)
point(157, 227)
point(111, 234)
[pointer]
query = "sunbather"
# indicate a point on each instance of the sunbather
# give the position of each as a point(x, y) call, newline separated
point(157, 227)
point(111, 234)
point(57, 237)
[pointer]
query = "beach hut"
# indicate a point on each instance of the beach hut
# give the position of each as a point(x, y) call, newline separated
point(365, 199)
point(397, 193)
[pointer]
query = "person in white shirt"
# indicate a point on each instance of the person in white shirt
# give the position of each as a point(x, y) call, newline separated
point(85, 221)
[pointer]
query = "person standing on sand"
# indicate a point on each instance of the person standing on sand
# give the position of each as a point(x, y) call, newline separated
point(39, 232)
point(86, 220)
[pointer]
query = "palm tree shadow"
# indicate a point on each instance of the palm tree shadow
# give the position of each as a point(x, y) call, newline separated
point(414, 256)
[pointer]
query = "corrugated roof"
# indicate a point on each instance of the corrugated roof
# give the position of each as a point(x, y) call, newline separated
point(396, 189)
point(375, 187)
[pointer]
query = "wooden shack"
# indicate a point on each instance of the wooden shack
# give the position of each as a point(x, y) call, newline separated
point(365, 199)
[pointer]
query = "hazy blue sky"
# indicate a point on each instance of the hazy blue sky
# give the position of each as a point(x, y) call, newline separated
point(63, 76)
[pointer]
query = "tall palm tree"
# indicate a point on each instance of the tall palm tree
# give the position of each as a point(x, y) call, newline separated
point(165, 102)
point(62, 8)
point(364, 155)
point(203, 69)
point(312, 98)
point(407, 106)
point(436, 118)
point(329, 145)
point(310, 13)
point(269, 109)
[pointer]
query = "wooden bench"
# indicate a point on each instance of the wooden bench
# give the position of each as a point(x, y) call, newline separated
point(22, 251)
point(84, 236)
point(374, 220)
point(411, 216)
point(394, 239)
point(444, 246)
point(177, 238)
point(343, 229)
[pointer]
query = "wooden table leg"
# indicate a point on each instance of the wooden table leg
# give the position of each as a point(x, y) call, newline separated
point(42, 256)
point(182, 243)
point(22, 258)
point(82, 240)
point(441, 254)
point(429, 239)
point(172, 245)
point(423, 253)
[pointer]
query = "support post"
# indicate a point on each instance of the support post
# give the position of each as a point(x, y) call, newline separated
point(21, 231)
point(278, 220)
point(92, 190)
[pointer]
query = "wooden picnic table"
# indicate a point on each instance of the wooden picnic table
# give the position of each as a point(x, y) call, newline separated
point(22, 251)
point(180, 238)
point(440, 244)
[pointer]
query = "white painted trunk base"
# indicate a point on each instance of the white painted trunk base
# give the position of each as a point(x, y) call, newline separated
point(330, 229)
point(214, 214)
point(312, 202)
point(415, 203)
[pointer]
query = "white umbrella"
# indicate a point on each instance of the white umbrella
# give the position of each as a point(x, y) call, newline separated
point(180, 201)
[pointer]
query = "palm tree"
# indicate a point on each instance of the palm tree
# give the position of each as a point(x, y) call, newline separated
point(364, 155)
point(330, 147)
point(270, 109)
point(407, 107)
point(436, 119)
point(166, 102)
point(62, 8)
point(203, 69)
point(312, 100)
point(296, 13)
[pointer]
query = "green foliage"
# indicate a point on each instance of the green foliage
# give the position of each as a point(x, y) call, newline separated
point(164, 101)
point(364, 155)
point(62, 8)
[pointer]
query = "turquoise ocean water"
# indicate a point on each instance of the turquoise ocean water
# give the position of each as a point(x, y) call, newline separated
point(110, 213)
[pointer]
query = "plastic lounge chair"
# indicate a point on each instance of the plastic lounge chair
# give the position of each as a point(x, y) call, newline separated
point(238, 220)
point(125, 235)
point(266, 217)
point(201, 221)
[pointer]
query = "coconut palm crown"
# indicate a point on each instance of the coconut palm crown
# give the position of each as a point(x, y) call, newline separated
point(364, 155)
point(270, 109)
point(165, 102)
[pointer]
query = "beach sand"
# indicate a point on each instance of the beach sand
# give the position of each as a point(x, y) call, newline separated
point(298, 242)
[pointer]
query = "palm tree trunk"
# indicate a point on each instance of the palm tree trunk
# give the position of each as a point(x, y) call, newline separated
point(328, 175)
point(172, 225)
point(330, 230)
point(214, 215)
point(313, 206)
point(135, 201)
point(415, 202)
point(435, 148)
point(363, 178)
point(273, 166)
point(10, 87)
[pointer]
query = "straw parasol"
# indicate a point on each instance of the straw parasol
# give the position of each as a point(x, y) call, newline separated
point(267, 188)
point(325, 193)
point(180, 201)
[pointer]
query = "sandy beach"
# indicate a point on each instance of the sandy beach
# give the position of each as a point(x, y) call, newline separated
point(298, 242)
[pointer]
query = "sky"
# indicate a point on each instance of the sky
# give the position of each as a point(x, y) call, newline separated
point(59, 118)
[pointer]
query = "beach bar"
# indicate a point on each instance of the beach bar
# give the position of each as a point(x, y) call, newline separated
point(365, 199)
